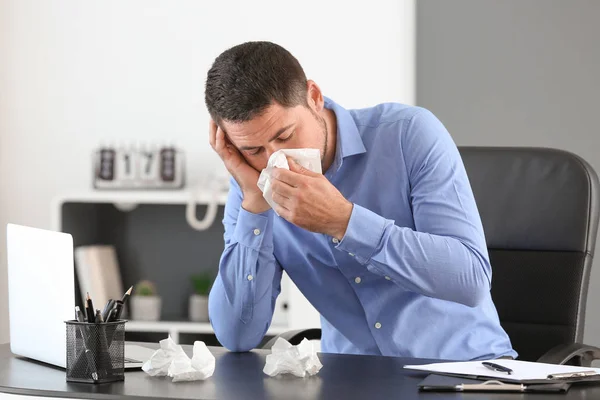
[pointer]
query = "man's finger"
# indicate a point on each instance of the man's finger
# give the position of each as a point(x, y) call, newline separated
point(220, 146)
point(282, 211)
point(230, 146)
point(282, 188)
point(299, 169)
point(281, 200)
point(289, 177)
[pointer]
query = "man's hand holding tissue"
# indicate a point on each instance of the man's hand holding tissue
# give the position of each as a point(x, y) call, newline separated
point(310, 201)
point(242, 172)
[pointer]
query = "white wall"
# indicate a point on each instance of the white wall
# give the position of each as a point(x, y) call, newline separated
point(75, 74)
point(3, 191)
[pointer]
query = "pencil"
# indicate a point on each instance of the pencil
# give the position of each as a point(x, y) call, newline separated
point(124, 300)
point(126, 295)
point(89, 309)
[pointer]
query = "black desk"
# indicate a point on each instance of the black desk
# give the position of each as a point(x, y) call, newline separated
point(240, 376)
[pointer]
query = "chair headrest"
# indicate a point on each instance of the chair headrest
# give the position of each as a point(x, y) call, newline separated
point(534, 198)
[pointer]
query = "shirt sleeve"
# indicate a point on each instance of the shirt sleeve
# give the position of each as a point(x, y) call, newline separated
point(242, 299)
point(445, 256)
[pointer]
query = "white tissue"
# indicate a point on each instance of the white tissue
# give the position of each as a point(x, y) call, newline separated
point(300, 360)
point(308, 158)
point(160, 361)
point(171, 360)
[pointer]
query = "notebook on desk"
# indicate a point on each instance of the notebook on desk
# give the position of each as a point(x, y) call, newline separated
point(522, 371)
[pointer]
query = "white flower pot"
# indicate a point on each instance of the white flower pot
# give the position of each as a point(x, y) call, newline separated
point(198, 308)
point(145, 308)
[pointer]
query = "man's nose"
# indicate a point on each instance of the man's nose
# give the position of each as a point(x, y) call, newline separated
point(272, 148)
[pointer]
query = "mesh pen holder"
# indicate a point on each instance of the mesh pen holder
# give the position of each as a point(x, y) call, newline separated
point(95, 352)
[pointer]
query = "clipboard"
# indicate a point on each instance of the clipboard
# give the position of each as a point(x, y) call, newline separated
point(523, 372)
point(442, 383)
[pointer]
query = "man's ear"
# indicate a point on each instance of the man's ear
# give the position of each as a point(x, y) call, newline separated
point(314, 96)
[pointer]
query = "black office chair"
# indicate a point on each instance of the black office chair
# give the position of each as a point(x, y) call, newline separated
point(539, 209)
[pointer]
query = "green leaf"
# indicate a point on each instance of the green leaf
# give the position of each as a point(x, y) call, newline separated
point(144, 288)
point(202, 283)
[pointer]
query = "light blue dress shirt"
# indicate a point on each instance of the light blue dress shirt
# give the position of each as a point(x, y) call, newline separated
point(410, 278)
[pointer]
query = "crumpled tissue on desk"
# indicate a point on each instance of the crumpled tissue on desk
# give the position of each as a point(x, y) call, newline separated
point(300, 360)
point(170, 360)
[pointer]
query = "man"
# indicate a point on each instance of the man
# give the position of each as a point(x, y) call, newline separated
point(387, 244)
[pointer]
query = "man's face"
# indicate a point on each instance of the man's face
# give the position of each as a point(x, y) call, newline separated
point(277, 128)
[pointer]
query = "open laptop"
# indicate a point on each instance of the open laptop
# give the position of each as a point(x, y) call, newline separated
point(41, 296)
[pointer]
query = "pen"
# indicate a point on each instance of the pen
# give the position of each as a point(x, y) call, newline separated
point(86, 350)
point(89, 309)
point(497, 367)
point(107, 309)
point(98, 319)
point(104, 355)
point(111, 315)
point(118, 308)
point(79, 315)
point(114, 315)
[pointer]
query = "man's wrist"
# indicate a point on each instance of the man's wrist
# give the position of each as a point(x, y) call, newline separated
point(365, 232)
point(254, 230)
point(343, 221)
point(255, 203)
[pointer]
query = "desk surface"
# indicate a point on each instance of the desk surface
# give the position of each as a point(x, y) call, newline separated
point(240, 376)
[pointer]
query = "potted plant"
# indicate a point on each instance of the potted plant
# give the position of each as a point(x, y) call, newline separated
point(198, 306)
point(145, 303)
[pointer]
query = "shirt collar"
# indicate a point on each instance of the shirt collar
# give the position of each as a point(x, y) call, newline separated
point(349, 141)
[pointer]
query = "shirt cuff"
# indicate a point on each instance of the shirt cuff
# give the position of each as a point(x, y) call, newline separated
point(254, 230)
point(363, 234)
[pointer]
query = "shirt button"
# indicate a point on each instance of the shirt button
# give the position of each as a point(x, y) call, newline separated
point(334, 240)
point(250, 277)
point(257, 232)
point(388, 278)
point(357, 279)
point(377, 325)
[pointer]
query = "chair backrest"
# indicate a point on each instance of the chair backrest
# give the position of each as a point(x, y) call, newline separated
point(539, 209)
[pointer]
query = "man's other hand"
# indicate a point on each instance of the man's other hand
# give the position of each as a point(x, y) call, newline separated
point(242, 172)
point(310, 201)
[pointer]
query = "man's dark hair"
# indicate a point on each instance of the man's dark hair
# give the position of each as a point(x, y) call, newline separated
point(245, 79)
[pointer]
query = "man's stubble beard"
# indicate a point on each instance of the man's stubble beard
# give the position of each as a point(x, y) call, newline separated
point(321, 121)
point(325, 136)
